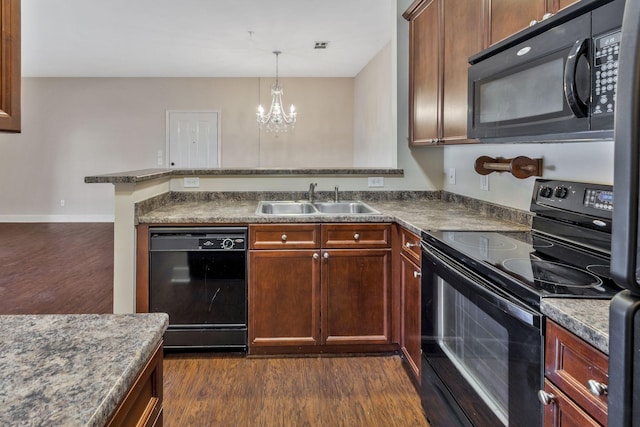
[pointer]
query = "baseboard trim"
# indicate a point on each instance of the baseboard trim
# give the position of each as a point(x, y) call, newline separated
point(57, 218)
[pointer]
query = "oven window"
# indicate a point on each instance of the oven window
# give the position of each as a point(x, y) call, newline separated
point(518, 95)
point(477, 345)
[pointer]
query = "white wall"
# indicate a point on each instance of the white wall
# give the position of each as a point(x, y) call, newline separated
point(75, 127)
point(586, 161)
point(374, 124)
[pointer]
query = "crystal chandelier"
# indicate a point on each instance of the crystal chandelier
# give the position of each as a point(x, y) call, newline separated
point(276, 120)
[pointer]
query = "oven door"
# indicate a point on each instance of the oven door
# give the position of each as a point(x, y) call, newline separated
point(483, 351)
point(539, 87)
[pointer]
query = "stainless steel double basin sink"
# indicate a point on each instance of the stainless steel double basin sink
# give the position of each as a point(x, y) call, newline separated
point(303, 207)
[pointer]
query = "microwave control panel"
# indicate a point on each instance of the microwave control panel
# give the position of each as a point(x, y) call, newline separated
point(605, 73)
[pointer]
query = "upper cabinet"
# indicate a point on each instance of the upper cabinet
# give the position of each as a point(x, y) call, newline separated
point(10, 66)
point(442, 36)
point(506, 17)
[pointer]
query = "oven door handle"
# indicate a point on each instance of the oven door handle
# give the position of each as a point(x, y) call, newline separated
point(511, 308)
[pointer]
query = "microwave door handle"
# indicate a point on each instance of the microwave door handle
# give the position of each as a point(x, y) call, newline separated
point(578, 106)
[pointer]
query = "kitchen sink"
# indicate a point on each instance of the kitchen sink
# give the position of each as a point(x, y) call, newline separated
point(346, 207)
point(290, 207)
point(286, 208)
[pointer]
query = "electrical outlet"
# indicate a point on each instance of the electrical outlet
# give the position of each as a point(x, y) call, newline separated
point(191, 182)
point(484, 182)
point(160, 158)
point(62, 202)
point(452, 176)
point(375, 181)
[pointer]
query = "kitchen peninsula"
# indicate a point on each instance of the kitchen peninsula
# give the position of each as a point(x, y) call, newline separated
point(224, 196)
point(80, 370)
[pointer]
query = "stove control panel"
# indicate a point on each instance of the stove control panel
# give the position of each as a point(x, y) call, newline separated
point(561, 198)
point(599, 199)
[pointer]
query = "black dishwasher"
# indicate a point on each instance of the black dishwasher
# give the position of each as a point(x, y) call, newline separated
point(198, 275)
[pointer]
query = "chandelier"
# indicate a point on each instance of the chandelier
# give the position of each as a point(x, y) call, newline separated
point(276, 120)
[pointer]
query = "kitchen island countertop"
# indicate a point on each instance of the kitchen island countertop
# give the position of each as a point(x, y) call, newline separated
point(71, 370)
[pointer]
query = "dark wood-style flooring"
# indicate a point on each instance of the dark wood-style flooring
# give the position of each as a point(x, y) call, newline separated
point(56, 268)
point(68, 268)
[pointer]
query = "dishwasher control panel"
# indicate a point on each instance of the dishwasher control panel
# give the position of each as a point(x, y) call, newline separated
point(198, 239)
point(222, 242)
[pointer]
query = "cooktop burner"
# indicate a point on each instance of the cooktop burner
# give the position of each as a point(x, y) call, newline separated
point(530, 265)
point(549, 272)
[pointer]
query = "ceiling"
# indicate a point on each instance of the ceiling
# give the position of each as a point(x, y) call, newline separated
point(202, 38)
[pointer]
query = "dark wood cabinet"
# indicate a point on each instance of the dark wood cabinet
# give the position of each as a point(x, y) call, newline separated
point(504, 18)
point(284, 298)
point(10, 119)
point(442, 36)
point(356, 291)
point(570, 366)
point(410, 335)
point(142, 405)
point(335, 295)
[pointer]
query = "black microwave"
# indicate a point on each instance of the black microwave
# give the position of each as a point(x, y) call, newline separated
point(556, 81)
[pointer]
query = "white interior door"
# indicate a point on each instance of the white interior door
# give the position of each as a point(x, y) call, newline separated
point(193, 139)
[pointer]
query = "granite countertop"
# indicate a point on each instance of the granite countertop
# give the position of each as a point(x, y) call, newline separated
point(132, 177)
point(71, 370)
point(587, 318)
point(415, 215)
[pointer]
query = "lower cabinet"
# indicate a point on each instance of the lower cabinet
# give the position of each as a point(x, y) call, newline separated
point(284, 298)
point(576, 376)
point(308, 294)
point(410, 288)
point(142, 406)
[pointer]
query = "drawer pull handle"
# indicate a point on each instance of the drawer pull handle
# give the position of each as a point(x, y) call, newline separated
point(411, 245)
point(284, 237)
point(597, 388)
point(356, 236)
point(546, 398)
point(316, 256)
point(416, 274)
point(326, 255)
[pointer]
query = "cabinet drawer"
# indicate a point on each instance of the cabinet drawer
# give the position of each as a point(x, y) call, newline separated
point(570, 364)
point(562, 411)
point(410, 244)
point(356, 235)
point(280, 236)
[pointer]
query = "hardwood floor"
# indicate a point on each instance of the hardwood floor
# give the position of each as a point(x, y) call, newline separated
point(206, 390)
point(68, 268)
point(56, 268)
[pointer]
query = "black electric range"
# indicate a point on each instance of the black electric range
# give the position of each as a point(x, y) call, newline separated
point(482, 329)
point(566, 254)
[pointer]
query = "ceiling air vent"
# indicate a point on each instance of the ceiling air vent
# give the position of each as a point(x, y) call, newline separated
point(321, 45)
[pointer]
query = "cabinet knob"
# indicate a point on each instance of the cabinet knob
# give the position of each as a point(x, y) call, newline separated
point(316, 256)
point(356, 236)
point(326, 255)
point(597, 388)
point(410, 245)
point(416, 274)
point(546, 398)
point(284, 237)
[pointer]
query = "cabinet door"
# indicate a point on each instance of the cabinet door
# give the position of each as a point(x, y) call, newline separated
point(510, 16)
point(356, 303)
point(10, 65)
point(462, 30)
point(284, 298)
point(424, 73)
point(554, 6)
point(410, 335)
point(563, 412)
